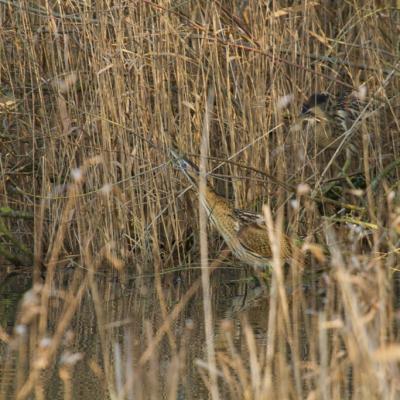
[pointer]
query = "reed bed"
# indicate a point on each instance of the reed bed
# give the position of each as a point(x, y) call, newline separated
point(92, 97)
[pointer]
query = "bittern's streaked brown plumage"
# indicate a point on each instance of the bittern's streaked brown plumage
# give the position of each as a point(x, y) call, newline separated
point(244, 232)
point(329, 117)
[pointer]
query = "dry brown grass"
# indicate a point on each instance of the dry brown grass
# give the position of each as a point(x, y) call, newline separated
point(92, 96)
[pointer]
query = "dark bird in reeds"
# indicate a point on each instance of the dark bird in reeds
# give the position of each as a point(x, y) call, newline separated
point(329, 117)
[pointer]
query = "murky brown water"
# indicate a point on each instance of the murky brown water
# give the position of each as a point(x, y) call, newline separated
point(132, 315)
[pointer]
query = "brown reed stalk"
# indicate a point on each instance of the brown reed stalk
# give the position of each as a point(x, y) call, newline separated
point(111, 87)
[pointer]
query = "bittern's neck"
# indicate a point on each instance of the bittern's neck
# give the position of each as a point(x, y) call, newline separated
point(213, 202)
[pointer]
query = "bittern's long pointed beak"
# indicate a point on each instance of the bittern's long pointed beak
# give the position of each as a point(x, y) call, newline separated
point(190, 169)
point(175, 154)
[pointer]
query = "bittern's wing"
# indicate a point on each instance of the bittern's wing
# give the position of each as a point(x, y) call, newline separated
point(249, 217)
point(255, 239)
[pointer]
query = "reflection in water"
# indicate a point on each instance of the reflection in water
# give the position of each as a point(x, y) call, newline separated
point(101, 350)
point(105, 338)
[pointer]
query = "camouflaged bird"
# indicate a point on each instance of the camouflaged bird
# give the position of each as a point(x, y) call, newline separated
point(328, 117)
point(331, 116)
point(244, 232)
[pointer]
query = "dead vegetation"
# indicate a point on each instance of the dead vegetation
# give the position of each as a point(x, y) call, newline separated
point(92, 97)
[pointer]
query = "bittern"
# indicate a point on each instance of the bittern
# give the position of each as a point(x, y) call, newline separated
point(329, 117)
point(341, 111)
point(244, 232)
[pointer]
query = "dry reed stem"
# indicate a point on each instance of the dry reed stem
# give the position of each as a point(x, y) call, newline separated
point(123, 82)
point(205, 277)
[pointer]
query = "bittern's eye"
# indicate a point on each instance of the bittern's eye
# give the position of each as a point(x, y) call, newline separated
point(181, 164)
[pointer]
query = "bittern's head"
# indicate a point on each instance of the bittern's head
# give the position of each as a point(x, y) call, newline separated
point(316, 107)
point(320, 100)
point(190, 169)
